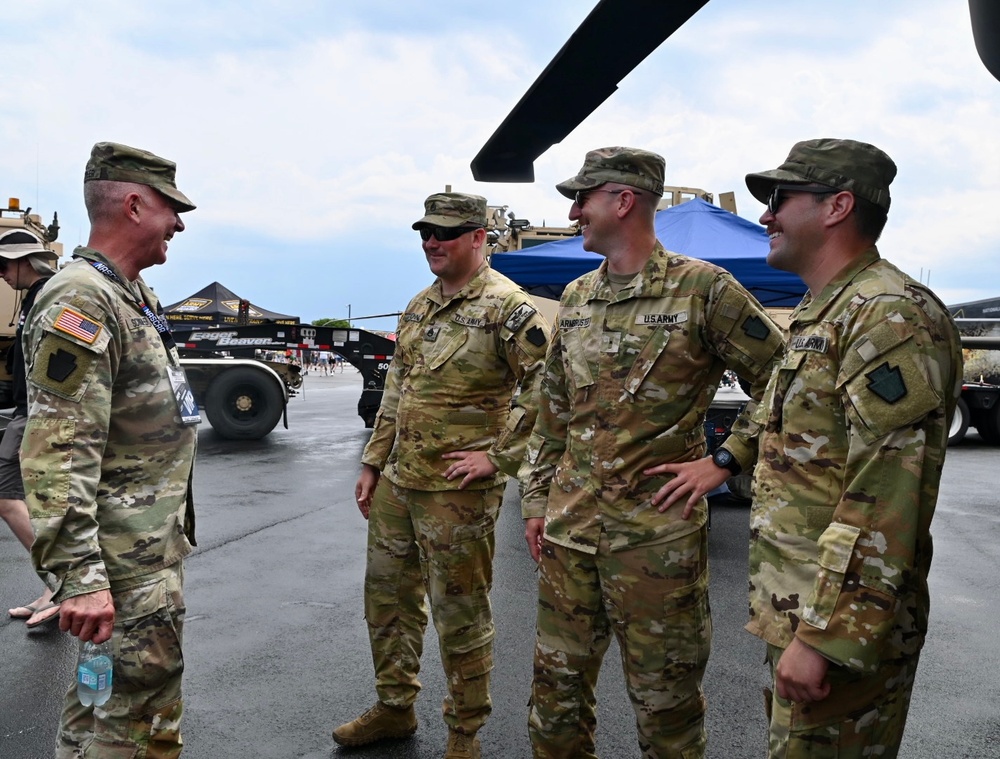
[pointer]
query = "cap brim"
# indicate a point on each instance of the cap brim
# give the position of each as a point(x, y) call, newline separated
point(180, 200)
point(571, 186)
point(761, 184)
point(438, 220)
point(14, 252)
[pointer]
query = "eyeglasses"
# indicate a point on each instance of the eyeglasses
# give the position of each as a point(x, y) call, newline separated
point(774, 200)
point(444, 234)
point(581, 195)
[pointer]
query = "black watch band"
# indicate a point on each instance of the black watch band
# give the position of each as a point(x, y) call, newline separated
point(725, 459)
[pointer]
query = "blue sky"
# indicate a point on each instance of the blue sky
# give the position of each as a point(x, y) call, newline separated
point(310, 133)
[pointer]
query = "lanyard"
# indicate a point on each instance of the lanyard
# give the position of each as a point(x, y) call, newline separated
point(160, 324)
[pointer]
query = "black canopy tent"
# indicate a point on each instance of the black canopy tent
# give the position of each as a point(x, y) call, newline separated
point(217, 306)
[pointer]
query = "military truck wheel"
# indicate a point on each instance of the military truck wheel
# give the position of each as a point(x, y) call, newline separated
point(243, 404)
point(959, 423)
point(987, 422)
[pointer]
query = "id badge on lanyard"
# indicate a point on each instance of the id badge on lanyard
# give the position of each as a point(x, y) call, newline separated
point(187, 407)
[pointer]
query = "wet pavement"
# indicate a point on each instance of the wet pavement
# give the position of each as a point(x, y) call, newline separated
point(276, 648)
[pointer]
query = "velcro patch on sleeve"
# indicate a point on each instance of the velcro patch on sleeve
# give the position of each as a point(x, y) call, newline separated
point(536, 336)
point(72, 322)
point(517, 319)
point(62, 367)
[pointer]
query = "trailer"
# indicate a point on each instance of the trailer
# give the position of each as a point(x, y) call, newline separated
point(239, 380)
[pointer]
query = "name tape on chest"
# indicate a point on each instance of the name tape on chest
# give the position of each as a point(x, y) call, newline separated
point(72, 322)
point(469, 321)
point(574, 323)
point(813, 343)
point(657, 319)
point(412, 317)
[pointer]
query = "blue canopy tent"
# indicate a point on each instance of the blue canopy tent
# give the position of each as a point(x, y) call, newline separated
point(695, 228)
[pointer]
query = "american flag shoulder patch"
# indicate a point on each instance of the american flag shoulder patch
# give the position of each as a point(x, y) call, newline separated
point(76, 324)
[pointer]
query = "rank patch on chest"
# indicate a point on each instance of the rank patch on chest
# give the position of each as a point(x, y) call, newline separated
point(76, 324)
point(887, 383)
point(610, 342)
point(431, 333)
point(813, 343)
point(657, 319)
point(521, 314)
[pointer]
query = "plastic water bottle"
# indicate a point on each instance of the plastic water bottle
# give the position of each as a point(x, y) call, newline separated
point(93, 673)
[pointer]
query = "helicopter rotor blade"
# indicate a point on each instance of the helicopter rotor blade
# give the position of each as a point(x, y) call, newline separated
point(615, 37)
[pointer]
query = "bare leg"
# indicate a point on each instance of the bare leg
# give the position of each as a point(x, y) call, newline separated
point(15, 514)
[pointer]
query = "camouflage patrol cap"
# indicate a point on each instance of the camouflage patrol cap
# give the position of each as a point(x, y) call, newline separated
point(120, 163)
point(857, 167)
point(636, 168)
point(453, 209)
point(18, 243)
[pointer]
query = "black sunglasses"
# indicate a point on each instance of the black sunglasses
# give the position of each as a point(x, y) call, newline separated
point(444, 234)
point(774, 200)
point(581, 195)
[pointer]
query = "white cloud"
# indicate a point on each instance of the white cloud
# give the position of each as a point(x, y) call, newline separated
point(310, 134)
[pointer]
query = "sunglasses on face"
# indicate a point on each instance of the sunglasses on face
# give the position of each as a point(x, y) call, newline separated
point(581, 195)
point(775, 199)
point(444, 234)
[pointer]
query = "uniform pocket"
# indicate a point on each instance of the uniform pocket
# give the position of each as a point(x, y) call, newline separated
point(149, 654)
point(836, 546)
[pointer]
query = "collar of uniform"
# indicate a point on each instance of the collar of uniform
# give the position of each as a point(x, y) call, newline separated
point(812, 308)
point(649, 284)
point(473, 287)
point(89, 254)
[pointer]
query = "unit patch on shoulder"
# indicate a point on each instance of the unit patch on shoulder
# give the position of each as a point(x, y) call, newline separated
point(521, 314)
point(74, 323)
point(536, 336)
point(813, 343)
point(887, 383)
point(62, 363)
point(754, 328)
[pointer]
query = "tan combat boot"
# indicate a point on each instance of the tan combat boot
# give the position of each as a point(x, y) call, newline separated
point(380, 722)
point(462, 746)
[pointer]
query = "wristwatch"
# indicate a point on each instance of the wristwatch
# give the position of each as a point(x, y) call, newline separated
point(725, 459)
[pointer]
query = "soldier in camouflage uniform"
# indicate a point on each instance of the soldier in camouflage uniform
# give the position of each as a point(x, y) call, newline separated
point(637, 353)
point(855, 425)
point(107, 457)
point(446, 437)
point(26, 265)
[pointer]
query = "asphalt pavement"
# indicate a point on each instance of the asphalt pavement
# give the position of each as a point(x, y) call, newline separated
point(277, 653)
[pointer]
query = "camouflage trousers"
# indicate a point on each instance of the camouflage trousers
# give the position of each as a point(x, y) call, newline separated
point(863, 716)
point(655, 599)
point(142, 718)
point(437, 544)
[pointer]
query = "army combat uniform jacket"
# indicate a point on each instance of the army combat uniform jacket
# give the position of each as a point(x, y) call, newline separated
point(855, 429)
point(106, 461)
point(627, 382)
point(451, 381)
